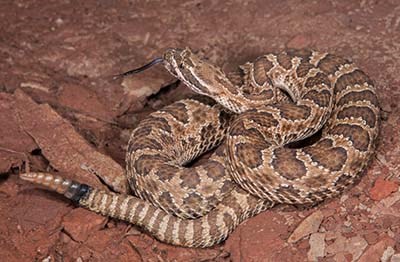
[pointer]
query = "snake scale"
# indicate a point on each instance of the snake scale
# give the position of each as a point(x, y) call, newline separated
point(258, 113)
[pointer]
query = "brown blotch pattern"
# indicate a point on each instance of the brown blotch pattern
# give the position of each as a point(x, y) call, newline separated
point(332, 158)
point(356, 164)
point(137, 211)
point(303, 69)
point(142, 130)
point(356, 134)
point(145, 163)
point(321, 98)
point(294, 112)
point(146, 195)
point(178, 111)
point(249, 154)
point(304, 54)
point(166, 172)
point(362, 112)
point(144, 143)
point(228, 220)
point(165, 199)
point(263, 61)
point(212, 221)
point(325, 142)
point(193, 199)
point(265, 94)
point(150, 212)
point(238, 129)
point(108, 203)
point(182, 232)
point(236, 77)
point(215, 170)
point(261, 67)
point(343, 181)
point(167, 140)
point(197, 229)
point(98, 197)
point(318, 79)
point(131, 202)
point(351, 79)
point(219, 151)
point(225, 118)
point(288, 165)
point(331, 63)
point(264, 119)
point(289, 193)
point(117, 208)
point(285, 60)
point(191, 179)
point(207, 131)
point(169, 229)
point(157, 123)
point(151, 185)
point(203, 99)
point(366, 95)
point(157, 220)
point(227, 186)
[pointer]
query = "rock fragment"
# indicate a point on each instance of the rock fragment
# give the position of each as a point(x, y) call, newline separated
point(376, 252)
point(317, 246)
point(382, 189)
point(387, 254)
point(308, 226)
point(356, 246)
point(395, 258)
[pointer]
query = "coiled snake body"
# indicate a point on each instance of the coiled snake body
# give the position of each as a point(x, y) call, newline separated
point(261, 109)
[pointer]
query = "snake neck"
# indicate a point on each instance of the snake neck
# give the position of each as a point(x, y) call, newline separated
point(238, 93)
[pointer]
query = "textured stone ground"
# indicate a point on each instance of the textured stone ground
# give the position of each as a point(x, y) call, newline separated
point(57, 97)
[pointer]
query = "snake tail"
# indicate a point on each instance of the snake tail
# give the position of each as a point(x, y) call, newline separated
point(205, 231)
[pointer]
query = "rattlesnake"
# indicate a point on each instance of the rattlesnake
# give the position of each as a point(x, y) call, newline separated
point(260, 111)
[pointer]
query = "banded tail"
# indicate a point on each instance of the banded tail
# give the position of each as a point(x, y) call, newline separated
point(205, 231)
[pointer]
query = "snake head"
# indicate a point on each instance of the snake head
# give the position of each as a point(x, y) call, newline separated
point(198, 74)
point(173, 59)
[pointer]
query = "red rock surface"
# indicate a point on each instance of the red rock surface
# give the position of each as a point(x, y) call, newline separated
point(382, 189)
point(62, 54)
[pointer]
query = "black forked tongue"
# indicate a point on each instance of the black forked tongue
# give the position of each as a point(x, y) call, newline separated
point(140, 69)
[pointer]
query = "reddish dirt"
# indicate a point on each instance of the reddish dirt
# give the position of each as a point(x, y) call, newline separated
point(57, 61)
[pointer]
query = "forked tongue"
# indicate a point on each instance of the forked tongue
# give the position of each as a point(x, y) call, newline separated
point(140, 69)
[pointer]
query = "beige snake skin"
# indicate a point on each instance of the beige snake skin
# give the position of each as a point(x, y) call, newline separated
point(260, 111)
